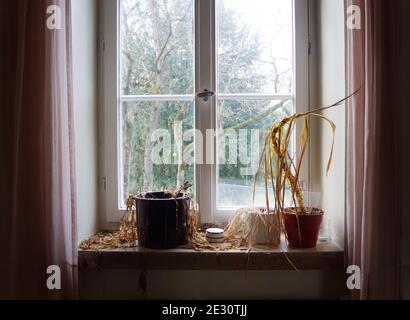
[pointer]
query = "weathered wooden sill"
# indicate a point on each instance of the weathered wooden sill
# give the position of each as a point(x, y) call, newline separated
point(326, 256)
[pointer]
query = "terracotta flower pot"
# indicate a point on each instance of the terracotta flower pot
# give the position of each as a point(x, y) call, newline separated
point(307, 224)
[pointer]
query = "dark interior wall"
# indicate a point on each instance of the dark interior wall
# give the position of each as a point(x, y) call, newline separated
point(215, 285)
point(404, 143)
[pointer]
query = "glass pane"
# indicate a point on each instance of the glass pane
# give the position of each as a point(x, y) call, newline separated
point(255, 46)
point(157, 47)
point(157, 146)
point(243, 126)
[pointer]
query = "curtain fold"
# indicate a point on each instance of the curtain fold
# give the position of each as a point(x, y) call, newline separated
point(372, 203)
point(37, 181)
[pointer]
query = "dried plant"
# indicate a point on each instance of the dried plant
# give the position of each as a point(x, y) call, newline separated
point(281, 167)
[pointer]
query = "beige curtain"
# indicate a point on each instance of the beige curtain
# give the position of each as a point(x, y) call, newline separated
point(37, 180)
point(372, 204)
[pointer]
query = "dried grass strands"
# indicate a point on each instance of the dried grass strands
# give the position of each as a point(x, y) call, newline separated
point(240, 233)
point(125, 237)
point(128, 223)
point(244, 227)
point(100, 241)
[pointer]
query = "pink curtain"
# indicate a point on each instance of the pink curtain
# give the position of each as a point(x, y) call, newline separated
point(373, 222)
point(37, 180)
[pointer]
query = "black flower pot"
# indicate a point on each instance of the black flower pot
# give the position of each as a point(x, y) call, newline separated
point(162, 220)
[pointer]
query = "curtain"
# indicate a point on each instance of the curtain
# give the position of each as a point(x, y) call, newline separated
point(37, 180)
point(372, 203)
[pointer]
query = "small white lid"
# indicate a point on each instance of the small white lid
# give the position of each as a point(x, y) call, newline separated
point(215, 233)
point(215, 230)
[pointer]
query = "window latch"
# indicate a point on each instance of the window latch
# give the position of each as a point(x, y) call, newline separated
point(205, 95)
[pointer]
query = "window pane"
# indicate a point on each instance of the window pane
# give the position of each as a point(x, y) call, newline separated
point(152, 154)
point(157, 47)
point(243, 126)
point(255, 46)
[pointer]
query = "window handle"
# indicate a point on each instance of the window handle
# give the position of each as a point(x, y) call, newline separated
point(205, 95)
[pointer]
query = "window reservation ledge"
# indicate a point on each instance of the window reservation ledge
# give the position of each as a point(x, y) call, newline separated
point(326, 256)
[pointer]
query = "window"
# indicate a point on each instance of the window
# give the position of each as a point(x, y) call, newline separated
point(156, 74)
point(157, 56)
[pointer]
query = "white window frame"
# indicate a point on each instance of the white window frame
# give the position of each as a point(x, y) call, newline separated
point(205, 117)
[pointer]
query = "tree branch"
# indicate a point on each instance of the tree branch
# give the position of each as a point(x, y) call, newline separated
point(258, 117)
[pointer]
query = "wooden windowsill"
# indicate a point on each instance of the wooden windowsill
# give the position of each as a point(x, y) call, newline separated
point(326, 256)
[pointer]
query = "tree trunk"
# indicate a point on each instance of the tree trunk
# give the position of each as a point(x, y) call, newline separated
point(148, 166)
point(156, 89)
point(179, 144)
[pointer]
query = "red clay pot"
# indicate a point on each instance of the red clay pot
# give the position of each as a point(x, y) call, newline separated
point(309, 227)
